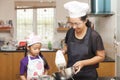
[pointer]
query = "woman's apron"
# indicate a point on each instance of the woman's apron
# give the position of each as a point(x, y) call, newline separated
point(79, 50)
point(35, 68)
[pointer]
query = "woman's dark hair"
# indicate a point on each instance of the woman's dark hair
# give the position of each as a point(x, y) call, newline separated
point(88, 23)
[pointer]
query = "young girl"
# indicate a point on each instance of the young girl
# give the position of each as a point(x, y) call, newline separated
point(33, 64)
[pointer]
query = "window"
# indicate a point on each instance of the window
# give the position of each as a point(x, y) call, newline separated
point(45, 23)
point(24, 22)
point(39, 21)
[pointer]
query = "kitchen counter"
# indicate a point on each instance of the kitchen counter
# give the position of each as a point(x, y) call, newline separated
point(43, 50)
point(108, 59)
point(109, 78)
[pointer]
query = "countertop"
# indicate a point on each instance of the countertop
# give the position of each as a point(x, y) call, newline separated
point(109, 78)
point(43, 50)
point(108, 59)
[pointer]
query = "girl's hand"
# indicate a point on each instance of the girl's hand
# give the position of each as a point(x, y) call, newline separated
point(77, 66)
point(22, 77)
point(45, 72)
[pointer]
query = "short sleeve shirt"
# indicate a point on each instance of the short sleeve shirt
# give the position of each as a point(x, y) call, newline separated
point(95, 39)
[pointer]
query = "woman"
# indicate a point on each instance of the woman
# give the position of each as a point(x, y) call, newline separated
point(84, 45)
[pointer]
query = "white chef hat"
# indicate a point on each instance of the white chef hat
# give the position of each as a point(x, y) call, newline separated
point(32, 39)
point(76, 9)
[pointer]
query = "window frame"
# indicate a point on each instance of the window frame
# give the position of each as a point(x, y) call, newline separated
point(34, 28)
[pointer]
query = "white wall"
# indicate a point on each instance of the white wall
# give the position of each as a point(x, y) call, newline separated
point(7, 13)
point(61, 12)
point(118, 25)
point(6, 9)
point(106, 27)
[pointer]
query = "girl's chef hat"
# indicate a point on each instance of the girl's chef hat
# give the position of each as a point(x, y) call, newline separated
point(32, 39)
point(76, 9)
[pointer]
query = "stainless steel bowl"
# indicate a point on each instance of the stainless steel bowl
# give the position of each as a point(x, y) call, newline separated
point(64, 74)
point(45, 77)
point(68, 72)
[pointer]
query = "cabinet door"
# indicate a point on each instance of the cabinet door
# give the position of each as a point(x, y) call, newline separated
point(17, 56)
point(50, 57)
point(6, 66)
point(106, 69)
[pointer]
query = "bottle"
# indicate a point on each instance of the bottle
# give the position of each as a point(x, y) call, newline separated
point(49, 45)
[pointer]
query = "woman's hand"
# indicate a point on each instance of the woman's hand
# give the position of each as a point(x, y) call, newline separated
point(77, 66)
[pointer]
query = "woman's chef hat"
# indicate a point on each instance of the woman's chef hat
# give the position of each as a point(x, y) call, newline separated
point(76, 9)
point(32, 39)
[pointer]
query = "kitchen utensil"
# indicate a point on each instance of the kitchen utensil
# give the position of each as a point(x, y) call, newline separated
point(34, 78)
point(64, 74)
point(45, 77)
point(58, 76)
point(68, 72)
point(60, 60)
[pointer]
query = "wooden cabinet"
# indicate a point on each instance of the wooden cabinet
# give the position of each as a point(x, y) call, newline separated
point(6, 66)
point(16, 64)
point(10, 65)
point(50, 57)
point(9, 68)
point(106, 69)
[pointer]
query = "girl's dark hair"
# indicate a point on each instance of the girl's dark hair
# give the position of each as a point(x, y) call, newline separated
point(88, 23)
point(45, 61)
point(25, 51)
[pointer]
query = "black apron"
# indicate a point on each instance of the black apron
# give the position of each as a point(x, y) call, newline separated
point(79, 50)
